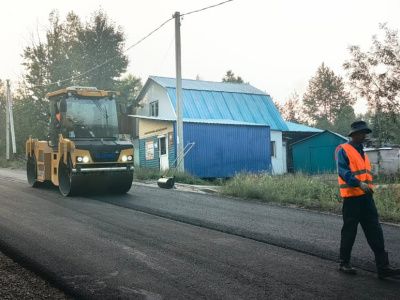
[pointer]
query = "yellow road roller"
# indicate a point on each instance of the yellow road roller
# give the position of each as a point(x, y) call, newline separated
point(83, 151)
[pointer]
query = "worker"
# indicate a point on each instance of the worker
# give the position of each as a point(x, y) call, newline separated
point(356, 189)
point(54, 127)
point(58, 117)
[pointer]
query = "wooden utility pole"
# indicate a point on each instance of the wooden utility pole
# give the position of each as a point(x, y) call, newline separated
point(7, 126)
point(179, 102)
point(9, 123)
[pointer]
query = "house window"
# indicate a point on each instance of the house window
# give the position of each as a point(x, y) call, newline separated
point(273, 149)
point(154, 109)
point(163, 146)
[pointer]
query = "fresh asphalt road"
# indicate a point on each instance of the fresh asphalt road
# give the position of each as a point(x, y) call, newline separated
point(146, 245)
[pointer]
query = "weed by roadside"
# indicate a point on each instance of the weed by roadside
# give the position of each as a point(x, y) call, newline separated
point(297, 189)
point(387, 199)
point(154, 174)
point(313, 192)
point(14, 163)
point(146, 174)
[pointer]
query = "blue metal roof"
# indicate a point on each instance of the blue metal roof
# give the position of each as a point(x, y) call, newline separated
point(204, 121)
point(202, 85)
point(222, 122)
point(224, 101)
point(301, 128)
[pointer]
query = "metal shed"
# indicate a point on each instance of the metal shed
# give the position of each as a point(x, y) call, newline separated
point(296, 132)
point(316, 154)
point(221, 148)
point(384, 160)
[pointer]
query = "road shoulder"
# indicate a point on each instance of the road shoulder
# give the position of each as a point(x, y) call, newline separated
point(17, 282)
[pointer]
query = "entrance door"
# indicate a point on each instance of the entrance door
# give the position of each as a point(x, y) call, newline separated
point(163, 151)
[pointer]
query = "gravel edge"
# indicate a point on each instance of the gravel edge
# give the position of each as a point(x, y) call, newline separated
point(16, 282)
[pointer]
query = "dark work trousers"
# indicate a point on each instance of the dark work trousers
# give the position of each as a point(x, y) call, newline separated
point(361, 210)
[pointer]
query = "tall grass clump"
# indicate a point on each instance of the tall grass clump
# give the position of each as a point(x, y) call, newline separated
point(154, 174)
point(146, 174)
point(298, 189)
point(387, 200)
point(14, 163)
point(314, 192)
point(184, 177)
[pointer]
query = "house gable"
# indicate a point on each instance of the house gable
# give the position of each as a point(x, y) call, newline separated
point(153, 92)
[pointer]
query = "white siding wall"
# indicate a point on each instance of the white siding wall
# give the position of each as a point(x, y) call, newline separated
point(156, 92)
point(279, 160)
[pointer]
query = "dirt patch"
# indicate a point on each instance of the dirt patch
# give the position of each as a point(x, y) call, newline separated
point(19, 283)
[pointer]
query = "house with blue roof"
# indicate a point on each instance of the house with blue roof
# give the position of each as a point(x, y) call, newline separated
point(230, 128)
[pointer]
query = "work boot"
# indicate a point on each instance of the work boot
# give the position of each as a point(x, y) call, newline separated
point(383, 267)
point(347, 268)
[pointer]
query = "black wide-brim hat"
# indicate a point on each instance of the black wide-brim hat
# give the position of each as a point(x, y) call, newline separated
point(359, 126)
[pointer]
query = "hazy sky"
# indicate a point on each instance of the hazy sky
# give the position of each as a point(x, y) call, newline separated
point(276, 45)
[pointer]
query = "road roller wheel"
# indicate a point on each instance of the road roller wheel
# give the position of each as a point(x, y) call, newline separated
point(123, 185)
point(65, 179)
point(31, 171)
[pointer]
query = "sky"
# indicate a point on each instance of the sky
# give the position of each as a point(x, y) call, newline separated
point(275, 45)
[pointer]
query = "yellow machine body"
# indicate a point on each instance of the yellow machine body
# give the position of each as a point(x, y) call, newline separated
point(75, 164)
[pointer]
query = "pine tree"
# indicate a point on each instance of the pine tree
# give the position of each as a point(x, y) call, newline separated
point(230, 77)
point(326, 98)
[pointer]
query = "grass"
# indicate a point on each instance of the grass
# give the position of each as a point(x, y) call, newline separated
point(318, 192)
point(14, 163)
point(387, 199)
point(154, 174)
point(312, 192)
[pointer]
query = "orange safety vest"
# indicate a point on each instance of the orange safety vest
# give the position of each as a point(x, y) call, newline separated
point(361, 169)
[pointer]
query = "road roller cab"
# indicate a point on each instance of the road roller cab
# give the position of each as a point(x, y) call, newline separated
point(83, 151)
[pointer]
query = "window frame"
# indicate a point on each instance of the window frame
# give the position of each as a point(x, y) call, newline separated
point(154, 108)
point(273, 148)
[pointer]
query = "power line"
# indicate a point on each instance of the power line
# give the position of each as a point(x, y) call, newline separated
point(106, 61)
point(202, 9)
point(130, 47)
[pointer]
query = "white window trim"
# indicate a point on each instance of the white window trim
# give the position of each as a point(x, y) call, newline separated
point(152, 106)
point(273, 149)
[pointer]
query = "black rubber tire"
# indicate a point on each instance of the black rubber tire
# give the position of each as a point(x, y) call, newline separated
point(31, 171)
point(66, 179)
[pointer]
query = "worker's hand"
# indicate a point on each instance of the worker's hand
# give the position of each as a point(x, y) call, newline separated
point(365, 187)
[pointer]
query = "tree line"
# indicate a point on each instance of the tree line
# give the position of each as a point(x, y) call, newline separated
point(72, 48)
point(372, 75)
point(67, 56)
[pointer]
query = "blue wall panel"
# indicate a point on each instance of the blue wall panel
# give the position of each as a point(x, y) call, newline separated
point(223, 150)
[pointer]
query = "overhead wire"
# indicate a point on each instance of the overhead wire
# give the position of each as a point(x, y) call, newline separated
point(130, 47)
point(107, 60)
point(205, 8)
